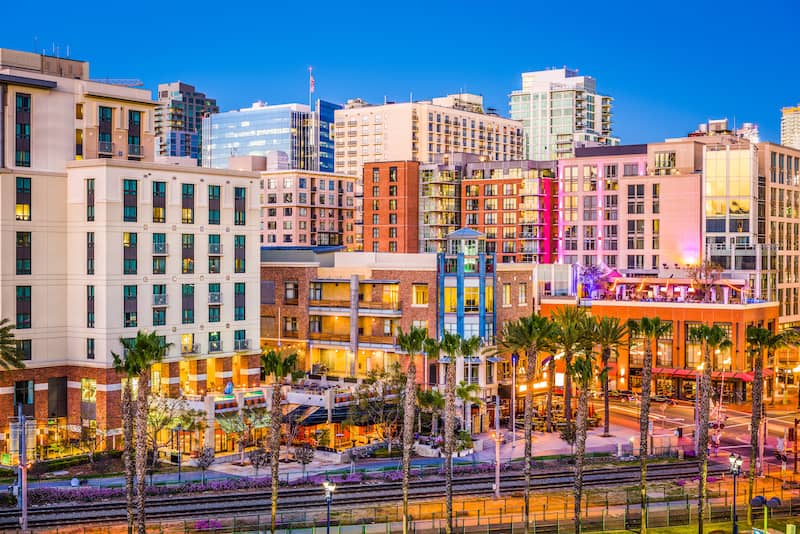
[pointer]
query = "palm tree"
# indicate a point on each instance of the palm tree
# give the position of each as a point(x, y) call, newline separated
point(571, 336)
point(711, 338)
point(412, 344)
point(450, 345)
point(529, 335)
point(609, 334)
point(469, 348)
point(431, 401)
point(279, 367)
point(650, 330)
point(468, 394)
point(9, 354)
point(141, 353)
point(582, 369)
point(759, 340)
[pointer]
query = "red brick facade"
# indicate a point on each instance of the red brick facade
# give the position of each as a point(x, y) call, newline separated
point(391, 206)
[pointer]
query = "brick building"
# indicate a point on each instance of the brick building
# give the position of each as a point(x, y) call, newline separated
point(391, 206)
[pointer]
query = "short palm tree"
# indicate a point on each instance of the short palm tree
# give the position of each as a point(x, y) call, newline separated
point(571, 336)
point(9, 354)
point(469, 348)
point(450, 345)
point(279, 366)
point(529, 335)
point(143, 351)
point(609, 334)
point(468, 394)
point(412, 344)
point(710, 338)
point(582, 369)
point(760, 340)
point(431, 401)
point(650, 330)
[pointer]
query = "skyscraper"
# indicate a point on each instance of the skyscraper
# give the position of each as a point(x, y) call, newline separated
point(561, 110)
point(790, 126)
point(179, 119)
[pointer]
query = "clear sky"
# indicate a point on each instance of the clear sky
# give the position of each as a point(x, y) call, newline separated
point(669, 64)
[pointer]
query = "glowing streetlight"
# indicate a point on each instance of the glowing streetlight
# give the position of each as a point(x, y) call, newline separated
point(329, 488)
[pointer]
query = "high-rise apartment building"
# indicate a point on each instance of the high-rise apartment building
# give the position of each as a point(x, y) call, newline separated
point(560, 111)
point(290, 136)
point(179, 120)
point(98, 242)
point(790, 126)
point(391, 206)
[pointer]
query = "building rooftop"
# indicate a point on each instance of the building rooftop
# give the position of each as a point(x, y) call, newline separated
point(619, 150)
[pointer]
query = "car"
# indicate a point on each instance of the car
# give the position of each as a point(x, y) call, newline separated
point(659, 398)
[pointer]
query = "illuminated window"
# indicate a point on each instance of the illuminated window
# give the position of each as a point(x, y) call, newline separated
point(420, 295)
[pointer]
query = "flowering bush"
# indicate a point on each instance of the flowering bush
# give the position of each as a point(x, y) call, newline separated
point(207, 524)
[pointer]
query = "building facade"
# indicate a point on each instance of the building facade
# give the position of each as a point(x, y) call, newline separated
point(391, 206)
point(306, 208)
point(790, 126)
point(560, 111)
point(179, 120)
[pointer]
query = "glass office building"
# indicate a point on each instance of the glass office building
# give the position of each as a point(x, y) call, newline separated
point(325, 112)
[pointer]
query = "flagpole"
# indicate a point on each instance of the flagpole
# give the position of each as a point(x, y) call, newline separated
point(310, 88)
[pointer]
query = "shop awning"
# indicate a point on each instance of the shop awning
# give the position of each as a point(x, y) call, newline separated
point(715, 375)
point(255, 399)
point(225, 404)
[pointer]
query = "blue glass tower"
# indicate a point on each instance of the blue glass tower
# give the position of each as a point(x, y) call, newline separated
point(325, 111)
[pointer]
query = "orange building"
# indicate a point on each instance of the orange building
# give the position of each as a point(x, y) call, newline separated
point(676, 359)
point(391, 206)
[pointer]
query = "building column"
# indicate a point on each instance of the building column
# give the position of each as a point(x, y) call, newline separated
point(251, 375)
point(223, 372)
point(197, 376)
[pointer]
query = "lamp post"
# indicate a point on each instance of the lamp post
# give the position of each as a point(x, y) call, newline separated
point(697, 406)
point(329, 488)
point(178, 439)
point(735, 470)
point(514, 361)
point(497, 439)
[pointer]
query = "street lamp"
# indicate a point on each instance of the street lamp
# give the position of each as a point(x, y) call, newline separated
point(497, 439)
point(735, 470)
point(329, 488)
point(178, 439)
point(514, 361)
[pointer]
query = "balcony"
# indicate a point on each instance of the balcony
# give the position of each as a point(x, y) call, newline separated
point(160, 249)
point(136, 151)
point(105, 147)
point(291, 334)
point(329, 303)
point(241, 344)
point(215, 249)
point(377, 340)
point(322, 336)
point(215, 297)
point(215, 346)
point(159, 299)
point(193, 348)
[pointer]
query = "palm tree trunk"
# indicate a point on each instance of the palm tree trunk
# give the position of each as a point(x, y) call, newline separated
point(755, 425)
point(702, 440)
point(644, 426)
point(275, 449)
point(127, 455)
point(408, 434)
point(141, 450)
point(530, 374)
point(449, 439)
point(567, 388)
point(606, 355)
point(551, 384)
point(580, 453)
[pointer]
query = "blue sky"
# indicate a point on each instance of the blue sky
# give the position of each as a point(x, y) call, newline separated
point(669, 65)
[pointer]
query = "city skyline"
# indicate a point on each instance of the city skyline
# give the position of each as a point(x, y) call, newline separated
point(663, 83)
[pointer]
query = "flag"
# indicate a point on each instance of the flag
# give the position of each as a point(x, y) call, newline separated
point(310, 81)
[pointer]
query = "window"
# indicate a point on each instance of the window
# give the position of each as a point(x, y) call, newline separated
point(90, 348)
point(89, 306)
point(129, 252)
point(290, 292)
point(187, 252)
point(90, 199)
point(239, 301)
point(239, 204)
point(214, 342)
point(129, 296)
point(471, 299)
point(89, 252)
point(213, 314)
point(159, 202)
point(238, 253)
point(506, 294)
point(24, 349)
point(636, 261)
point(630, 169)
point(23, 253)
point(187, 303)
point(523, 293)
point(392, 174)
point(187, 203)
point(23, 307)
point(129, 189)
point(450, 300)
point(159, 316)
point(23, 208)
point(159, 265)
point(213, 204)
point(23, 393)
point(23, 130)
point(376, 175)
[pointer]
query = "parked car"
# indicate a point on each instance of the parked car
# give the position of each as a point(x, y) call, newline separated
point(660, 398)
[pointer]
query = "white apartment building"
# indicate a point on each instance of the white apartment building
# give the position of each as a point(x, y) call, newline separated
point(790, 126)
point(559, 111)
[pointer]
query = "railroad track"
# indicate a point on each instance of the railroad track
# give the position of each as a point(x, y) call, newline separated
point(346, 497)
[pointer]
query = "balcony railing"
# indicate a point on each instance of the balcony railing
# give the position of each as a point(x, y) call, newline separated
point(215, 297)
point(135, 150)
point(382, 340)
point(322, 336)
point(323, 303)
point(293, 334)
point(194, 348)
point(215, 248)
point(241, 344)
point(160, 299)
point(160, 249)
point(105, 147)
point(395, 306)
point(215, 346)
